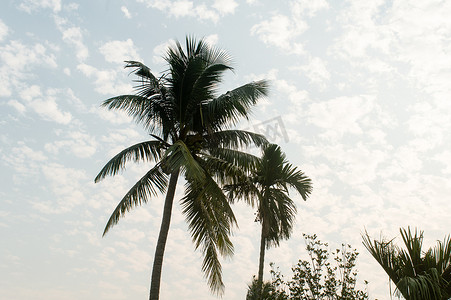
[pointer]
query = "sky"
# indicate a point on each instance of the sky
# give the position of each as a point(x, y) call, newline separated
point(359, 101)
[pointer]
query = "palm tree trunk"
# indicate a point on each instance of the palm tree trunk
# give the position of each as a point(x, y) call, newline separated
point(261, 264)
point(161, 244)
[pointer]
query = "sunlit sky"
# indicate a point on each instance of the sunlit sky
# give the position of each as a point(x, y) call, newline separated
point(360, 101)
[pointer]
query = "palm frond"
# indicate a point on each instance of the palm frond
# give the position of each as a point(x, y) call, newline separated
point(384, 253)
point(244, 160)
point(183, 91)
point(235, 139)
point(204, 88)
point(235, 104)
point(211, 266)
point(243, 189)
point(208, 214)
point(210, 219)
point(153, 113)
point(145, 151)
point(144, 72)
point(179, 156)
point(298, 180)
point(154, 181)
point(221, 170)
point(279, 214)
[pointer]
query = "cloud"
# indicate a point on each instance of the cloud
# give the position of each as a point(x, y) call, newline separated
point(66, 185)
point(181, 8)
point(34, 5)
point(279, 31)
point(112, 116)
point(186, 8)
point(127, 14)
point(17, 62)
point(16, 55)
point(23, 159)
point(283, 30)
point(354, 165)
point(342, 115)
point(316, 70)
point(225, 7)
point(78, 143)
point(17, 105)
point(121, 136)
point(72, 35)
point(45, 105)
point(119, 51)
point(106, 81)
point(212, 39)
point(3, 30)
point(308, 8)
point(445, 158)
point(159, 51)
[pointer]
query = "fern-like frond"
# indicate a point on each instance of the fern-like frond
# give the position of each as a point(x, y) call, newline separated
point(210, 219)
point(179, 156)
point(152, 112)
point(228, 108)
point(149, 185)
point(145, 151)
point(243, 160)
point(235, 139)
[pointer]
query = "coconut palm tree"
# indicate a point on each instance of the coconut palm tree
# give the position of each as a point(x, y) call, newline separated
point(417, 274)
point(267, 187)
point(191, 135)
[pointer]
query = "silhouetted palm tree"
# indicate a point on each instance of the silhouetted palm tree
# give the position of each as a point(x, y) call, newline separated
point(190, 128)
point(267, 188)
point(417, 274)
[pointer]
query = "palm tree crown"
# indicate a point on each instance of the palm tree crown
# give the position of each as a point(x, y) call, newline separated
point(190, 125)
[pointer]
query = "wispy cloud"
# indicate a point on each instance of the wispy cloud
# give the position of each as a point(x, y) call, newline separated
point(33, 5)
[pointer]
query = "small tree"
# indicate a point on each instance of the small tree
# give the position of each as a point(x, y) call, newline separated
point(318, 278)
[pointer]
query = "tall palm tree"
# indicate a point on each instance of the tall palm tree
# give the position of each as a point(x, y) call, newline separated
point(266, 186)
point(190, 125)
point(417, 274)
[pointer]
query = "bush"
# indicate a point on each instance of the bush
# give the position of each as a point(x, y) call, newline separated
point(318, 278)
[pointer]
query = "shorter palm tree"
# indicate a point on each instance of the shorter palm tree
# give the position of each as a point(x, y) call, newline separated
point(267, 187)
point(417, 274)
point(268, 291)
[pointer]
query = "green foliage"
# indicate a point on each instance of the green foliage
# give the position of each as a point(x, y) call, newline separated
point(417, 274)
point(319, 278)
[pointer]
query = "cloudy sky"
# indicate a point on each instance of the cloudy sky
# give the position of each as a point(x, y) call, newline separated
point(360, 101)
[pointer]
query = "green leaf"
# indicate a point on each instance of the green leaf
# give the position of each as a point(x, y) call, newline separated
point(145, 151)
point(150, 184)
point(178, 156)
